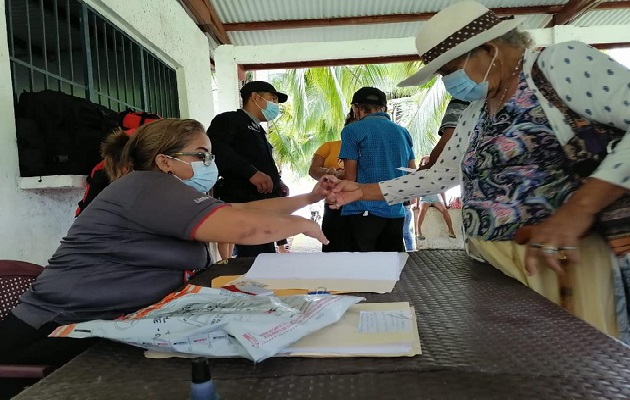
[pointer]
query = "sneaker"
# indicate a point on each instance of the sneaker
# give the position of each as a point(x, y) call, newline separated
point(283, 249)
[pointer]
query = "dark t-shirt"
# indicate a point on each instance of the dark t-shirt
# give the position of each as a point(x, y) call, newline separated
point(129, 249)
point(241, 148)
point(454, 110)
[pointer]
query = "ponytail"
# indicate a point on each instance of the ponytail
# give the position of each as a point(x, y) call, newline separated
point(115, 152)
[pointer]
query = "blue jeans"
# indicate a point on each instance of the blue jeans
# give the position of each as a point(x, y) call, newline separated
point(407, 237)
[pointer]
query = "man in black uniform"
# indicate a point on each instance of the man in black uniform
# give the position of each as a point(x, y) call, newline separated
point(243, 154)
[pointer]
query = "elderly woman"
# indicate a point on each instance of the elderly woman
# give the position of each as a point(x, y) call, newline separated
point(523, 204)
point(142, 237)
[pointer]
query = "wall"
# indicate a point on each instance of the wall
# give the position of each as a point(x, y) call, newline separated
point(32, 222)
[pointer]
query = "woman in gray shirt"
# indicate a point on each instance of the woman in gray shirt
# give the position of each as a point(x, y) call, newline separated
point(143, 236)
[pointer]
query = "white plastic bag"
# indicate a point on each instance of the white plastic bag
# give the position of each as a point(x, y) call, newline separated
point(219, 323)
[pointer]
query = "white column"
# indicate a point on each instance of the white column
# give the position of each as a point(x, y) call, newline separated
point(227, 79)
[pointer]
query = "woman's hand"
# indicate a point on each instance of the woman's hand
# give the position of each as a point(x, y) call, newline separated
point(312, 229)
point(322, 188)
point(555, 240)
point(345, 192)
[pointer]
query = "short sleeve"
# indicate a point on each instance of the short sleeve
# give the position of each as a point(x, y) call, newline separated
point(323, 150)
point(166, 206)
point(349, 144)
point(454, 110)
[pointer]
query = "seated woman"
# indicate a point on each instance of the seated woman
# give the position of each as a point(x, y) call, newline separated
point(526, 204)
point(141, 238)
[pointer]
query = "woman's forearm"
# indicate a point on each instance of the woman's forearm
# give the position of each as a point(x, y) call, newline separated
point(282, 205)
point(249, 226)
point(594, 195)
point(371, 191)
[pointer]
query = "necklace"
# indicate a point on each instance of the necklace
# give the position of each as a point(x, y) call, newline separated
point(510, 78)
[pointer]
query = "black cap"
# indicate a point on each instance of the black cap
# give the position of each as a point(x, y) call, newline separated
point(369, 95)
point(262, 86)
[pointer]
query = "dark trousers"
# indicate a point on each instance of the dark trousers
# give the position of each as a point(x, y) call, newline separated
point(335, 228)
point(20, 343)
point(253, 251)
point(372, 233)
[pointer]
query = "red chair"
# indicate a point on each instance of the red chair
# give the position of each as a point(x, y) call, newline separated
point(15, 278)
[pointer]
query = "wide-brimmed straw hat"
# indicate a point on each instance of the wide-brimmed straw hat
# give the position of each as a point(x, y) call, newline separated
point(453, 32)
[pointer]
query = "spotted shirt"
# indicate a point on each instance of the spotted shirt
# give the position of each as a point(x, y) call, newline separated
point(591, 83)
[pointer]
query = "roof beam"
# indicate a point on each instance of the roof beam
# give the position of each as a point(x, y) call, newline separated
point(333, 62)
point(373, 19)
point(572, 11)
point(207, 19)
point(398, 18)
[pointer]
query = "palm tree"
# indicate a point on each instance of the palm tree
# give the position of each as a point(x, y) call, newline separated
point(319, 99)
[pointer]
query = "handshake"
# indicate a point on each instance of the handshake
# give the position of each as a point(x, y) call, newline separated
point(336, 192)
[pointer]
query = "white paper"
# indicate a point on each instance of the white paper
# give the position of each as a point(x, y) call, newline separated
point(328, 266)
point(384, 321)
point(406, 169)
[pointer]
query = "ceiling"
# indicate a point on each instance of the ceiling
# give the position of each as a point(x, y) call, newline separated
point(255, 22)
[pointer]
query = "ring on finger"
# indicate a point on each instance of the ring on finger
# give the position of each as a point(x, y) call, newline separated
point(549, 250)
point(536, 245)
point(564, 248)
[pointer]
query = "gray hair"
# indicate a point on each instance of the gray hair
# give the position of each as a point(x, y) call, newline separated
point(516, 38)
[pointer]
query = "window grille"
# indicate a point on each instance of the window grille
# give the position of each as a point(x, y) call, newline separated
point(66, 46)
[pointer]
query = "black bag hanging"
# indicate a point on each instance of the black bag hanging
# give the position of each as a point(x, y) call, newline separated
point(59, 134)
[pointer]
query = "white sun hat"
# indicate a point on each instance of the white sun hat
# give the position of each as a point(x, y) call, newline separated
point(453, 32)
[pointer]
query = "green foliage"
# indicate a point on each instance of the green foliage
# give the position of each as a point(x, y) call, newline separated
point(319, 99)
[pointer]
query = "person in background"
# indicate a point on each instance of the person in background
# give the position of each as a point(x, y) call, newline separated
point(372, 149)
point(529, 203)
point(244, 155)
point(98, 179)
point(454, 110)
point(141, 238)
point(433, 200)
point(326, 161)
point(407, 235)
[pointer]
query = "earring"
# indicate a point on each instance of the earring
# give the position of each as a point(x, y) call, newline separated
point(170, 172)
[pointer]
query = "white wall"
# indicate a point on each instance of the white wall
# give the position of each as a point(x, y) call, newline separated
point(33, 222)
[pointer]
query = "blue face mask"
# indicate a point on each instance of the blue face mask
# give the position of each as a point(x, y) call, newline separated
point(461, 87)
point(204, 176)
point(271, 110)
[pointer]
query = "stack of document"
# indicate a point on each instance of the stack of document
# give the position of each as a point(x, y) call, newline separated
point(365, 330)
point(340, 272)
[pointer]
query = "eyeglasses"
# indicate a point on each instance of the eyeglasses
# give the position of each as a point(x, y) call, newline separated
point(204, 156)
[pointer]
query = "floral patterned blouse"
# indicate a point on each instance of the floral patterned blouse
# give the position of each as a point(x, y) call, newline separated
point(514, 170)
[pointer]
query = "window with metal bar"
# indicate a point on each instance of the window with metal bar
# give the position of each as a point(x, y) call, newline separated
point(64, 45)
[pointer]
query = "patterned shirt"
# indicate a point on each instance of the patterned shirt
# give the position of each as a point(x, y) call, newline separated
point(454, 110)
point(380, 147)
point(591, 83)
point(514, 170)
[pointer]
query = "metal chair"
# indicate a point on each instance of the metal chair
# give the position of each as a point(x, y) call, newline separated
point(15, 278)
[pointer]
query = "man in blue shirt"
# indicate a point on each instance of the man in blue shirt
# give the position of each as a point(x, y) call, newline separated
point(373, 148)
